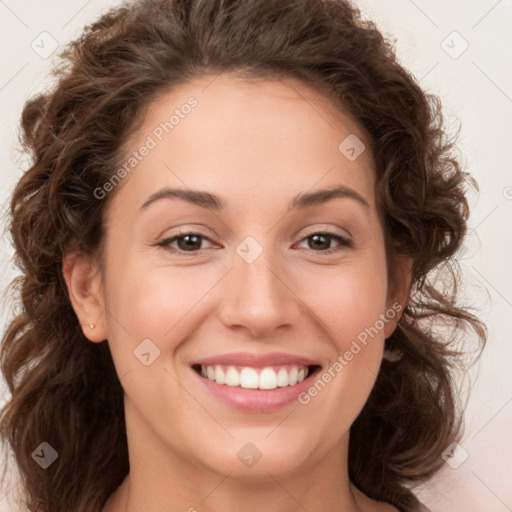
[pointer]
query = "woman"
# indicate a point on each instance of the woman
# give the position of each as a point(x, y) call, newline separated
point(236, 241)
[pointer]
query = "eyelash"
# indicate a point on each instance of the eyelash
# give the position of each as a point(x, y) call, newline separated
point(344, 243)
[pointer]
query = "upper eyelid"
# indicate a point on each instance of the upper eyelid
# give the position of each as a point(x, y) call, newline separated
point(316, 231)
point(331, 233)
point(310, 231)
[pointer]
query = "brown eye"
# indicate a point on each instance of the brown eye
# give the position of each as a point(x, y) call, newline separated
point(189, 242)
point(322, 242)
point(185, 242)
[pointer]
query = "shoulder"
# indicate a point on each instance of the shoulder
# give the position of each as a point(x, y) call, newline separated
point(417, 507)
point(386, 507)
point(380, 506)
point(367, 504)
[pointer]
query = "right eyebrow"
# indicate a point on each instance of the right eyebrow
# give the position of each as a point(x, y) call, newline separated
point(199, 198)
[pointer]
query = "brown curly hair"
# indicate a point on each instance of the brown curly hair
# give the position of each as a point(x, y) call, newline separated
point(65, 389)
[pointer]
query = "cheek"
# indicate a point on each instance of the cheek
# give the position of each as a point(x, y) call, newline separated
point(349, 300)
point(160, 300)
point(350, 304)
point(154, 303)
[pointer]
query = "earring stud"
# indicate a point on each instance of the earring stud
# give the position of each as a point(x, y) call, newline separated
point(92, 326)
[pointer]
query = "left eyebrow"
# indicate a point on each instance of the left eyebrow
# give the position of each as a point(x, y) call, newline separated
point(324, 195)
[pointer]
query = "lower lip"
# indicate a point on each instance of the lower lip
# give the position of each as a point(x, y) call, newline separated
point(256, 400)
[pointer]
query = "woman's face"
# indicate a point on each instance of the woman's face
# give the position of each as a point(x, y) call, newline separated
point(270, 281)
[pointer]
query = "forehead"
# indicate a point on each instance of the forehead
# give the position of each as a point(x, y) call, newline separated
point(256, 135)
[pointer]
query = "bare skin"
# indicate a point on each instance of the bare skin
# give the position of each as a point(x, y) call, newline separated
point(256, 145)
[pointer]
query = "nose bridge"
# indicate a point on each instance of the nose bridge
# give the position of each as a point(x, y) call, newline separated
point(258, 297)
point(259, 277)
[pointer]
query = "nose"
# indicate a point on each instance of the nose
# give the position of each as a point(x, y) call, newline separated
point(258, 298)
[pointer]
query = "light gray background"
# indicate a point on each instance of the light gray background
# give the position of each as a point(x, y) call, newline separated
point(475, 86)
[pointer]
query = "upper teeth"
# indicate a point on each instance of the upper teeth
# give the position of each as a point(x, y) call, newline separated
point(249, 378)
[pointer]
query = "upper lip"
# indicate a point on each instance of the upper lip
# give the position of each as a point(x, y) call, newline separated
point(256, 360)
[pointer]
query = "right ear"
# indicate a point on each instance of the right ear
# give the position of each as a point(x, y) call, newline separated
point(85, 289)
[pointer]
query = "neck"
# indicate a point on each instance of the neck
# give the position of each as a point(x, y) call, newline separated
point(163, 479)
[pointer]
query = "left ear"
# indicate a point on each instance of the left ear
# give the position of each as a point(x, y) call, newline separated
point(398, 295)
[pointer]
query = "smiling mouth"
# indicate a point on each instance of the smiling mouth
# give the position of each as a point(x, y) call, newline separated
point(266, 378)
